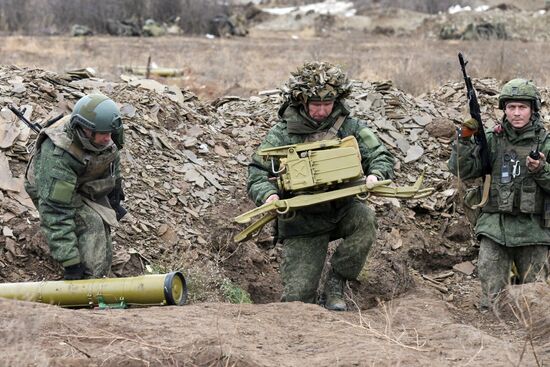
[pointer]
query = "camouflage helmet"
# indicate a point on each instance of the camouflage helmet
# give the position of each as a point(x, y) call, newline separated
point(519, 90)
point(98, 113)
point(317, 80)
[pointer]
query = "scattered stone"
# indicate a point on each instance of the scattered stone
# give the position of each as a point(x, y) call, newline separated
point(7, 232)
point(466, 268)
point(395, 240)
point(170, 182)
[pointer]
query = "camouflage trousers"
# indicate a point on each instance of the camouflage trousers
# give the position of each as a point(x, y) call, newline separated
point(303, 258)
point(495, 265)
point(94, 242)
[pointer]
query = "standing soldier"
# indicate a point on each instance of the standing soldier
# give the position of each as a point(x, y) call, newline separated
point(513, 226)
point(314, 110)
point(74, 181)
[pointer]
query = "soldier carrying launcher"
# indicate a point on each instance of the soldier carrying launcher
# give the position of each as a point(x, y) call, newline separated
point(310, 168)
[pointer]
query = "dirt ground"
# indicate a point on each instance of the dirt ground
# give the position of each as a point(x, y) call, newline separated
point(397, 317)
point(403, 332)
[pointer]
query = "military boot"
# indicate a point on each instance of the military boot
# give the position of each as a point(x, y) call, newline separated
point(334, 292)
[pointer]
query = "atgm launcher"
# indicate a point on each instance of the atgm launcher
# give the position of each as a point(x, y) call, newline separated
point(145, 290)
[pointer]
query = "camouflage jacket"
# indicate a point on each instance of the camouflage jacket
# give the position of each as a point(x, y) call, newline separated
point(60, 177)
point(514, 214)
point(375, 159)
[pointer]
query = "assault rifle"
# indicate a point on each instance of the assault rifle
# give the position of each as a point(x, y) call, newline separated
point(479, 137)
point(34, 126)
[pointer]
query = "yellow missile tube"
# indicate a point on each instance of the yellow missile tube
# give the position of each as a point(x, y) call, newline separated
point(145, 290)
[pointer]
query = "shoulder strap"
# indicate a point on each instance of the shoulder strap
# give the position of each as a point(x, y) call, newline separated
point(333, 131)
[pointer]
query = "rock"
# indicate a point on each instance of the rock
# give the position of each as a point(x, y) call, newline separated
point(394, 238)
point(7, 182)
point(221, 151)
point(7, 232)
point(414, 153)
point(466, 268)
point(8, 132)
point(441, 129)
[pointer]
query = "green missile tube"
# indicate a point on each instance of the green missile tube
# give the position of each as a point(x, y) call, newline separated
point(145, 290)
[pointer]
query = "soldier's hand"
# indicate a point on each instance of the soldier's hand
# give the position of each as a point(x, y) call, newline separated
point(74, 272)
point(469, 127)
point(535, 165)
point(371, 179)
point(272, 198)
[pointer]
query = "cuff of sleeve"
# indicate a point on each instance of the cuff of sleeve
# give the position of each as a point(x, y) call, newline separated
point(70, 262)
point(377, 173)
point(268, 194)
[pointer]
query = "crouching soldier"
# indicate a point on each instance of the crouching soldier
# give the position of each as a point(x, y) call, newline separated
point(74, 181)
point(314, 110)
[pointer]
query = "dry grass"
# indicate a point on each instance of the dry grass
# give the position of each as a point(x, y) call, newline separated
point(404, 338)
point(245, 66)
point(526, 305)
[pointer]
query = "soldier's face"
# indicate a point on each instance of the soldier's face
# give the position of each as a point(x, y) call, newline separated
point(320, 110)
point(98, 138)
point(518, 113)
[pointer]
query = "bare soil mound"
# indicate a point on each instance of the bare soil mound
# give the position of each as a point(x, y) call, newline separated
point(401, 332)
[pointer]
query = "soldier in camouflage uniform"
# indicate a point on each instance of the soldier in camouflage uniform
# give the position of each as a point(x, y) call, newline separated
point(312, 111)
point(511, 226)
point(74, 181)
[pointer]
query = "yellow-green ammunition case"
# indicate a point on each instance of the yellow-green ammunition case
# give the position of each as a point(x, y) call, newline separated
point(318, 165)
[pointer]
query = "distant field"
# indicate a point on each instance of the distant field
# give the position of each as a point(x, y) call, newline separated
point(244, 66)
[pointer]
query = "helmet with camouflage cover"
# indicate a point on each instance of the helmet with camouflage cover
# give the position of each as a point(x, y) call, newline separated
point(317, 80)
point(519, 90)
point(98, 113)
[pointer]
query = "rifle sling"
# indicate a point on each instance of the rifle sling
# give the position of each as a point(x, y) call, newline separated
point(485, 195)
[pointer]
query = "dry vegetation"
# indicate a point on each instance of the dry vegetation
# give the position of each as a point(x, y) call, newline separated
point(261, 61)
point(244, 66)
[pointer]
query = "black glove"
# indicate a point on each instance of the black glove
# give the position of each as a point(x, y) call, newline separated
point(74, 272)
point(115, 197)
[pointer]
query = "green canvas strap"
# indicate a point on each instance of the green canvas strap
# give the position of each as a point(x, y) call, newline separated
point(333, 131)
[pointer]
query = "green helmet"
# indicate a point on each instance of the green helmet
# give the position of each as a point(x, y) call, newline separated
point(317, 80)
point(98, 113)
point(519, 90)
